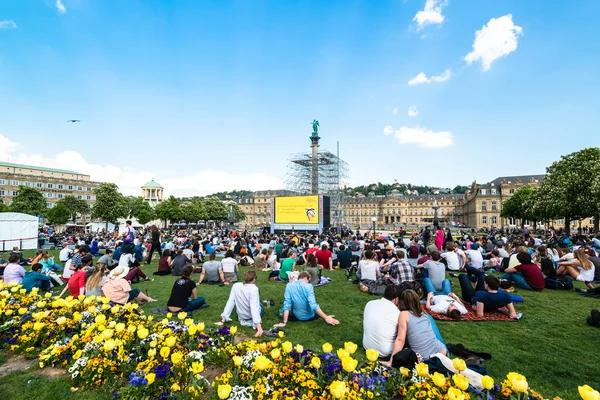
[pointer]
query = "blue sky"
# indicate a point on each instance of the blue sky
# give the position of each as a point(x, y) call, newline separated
point(215, 95)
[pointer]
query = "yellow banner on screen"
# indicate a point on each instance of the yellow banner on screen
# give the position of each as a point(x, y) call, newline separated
point(297, 210)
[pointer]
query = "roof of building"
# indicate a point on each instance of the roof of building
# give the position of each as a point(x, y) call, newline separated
point(513, 179)
point(152, 184)
point(22, 166)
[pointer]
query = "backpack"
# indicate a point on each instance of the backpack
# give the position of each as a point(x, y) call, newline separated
point(559, 282)
point(505, 262)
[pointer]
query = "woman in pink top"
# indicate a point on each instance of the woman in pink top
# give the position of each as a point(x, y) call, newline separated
point(439, 238)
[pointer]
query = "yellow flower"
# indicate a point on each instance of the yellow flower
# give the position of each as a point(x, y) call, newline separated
point(60, 321)
point(165, 351)
point(175, 387)
point(237, 361)
point(192, 330)
point(338, 389)
point(487, 382)
point(170, 341)
point(142, 332)
point(200, 326)
point(151, 377)
point(438, 379)
point(422, 370)
point(77, 354)
point(182, 315)
point(115, 309)
point(518, 383)
point(342, 353)
point(299, 348)
point(459, 364)
point(287, 347)
point(109, 345)
point(120, 327)
point(176, 357)
point(455, 394)
point(281, 334)
point(404, 371)
point(372, 355)
point(153, 343)
point(197, 368)
point(275, 353)
point(327, 348)
point(460, 381)
point(107, 334)
point(262, 363)
point(38, 326)
point(587, 393)
point(169, 315)
point(315, 362)
point(151, 352)
point(223, 391)
point(233, 330)
point(349, 364)
point(350, 347)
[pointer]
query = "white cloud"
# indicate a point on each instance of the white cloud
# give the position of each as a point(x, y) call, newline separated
point(422, 78)
point(60, 7)
point(431, 14)
point(7, 24)
point(413, 111)
point(421, 137)
point(498, 38)
point(130, 180)
point(395, 111)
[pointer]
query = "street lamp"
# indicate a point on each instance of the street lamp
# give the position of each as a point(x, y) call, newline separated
point(374, 220)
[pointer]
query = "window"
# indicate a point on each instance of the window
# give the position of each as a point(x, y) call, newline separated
point(89, 197)
point(60, 186)
point(2, 193)
point(14, 193)
point(49, 195)
point(70, 187)
point(511, 191)
point(89, 189)
point(493, 191)
point(494, 220)
point(80, 196)
point(60, 195)
point(79, 188)
point(49, 205)
point(494, 206)
point(39, 184)
point(511, 221)
point(483, 191)
point(3, 182)
point(484, 220)
point(50, 186)
point(15, 183)
point(483, 206)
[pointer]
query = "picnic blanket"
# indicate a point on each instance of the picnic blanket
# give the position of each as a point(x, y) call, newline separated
point(472, 316)
point(324, 281)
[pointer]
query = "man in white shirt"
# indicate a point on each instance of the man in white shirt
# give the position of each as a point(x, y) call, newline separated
point(65, 253)
point(449, 305)
point(451, 257)
point(368, 269)
point(475, 257)
point(246, 300)
point(380, 322)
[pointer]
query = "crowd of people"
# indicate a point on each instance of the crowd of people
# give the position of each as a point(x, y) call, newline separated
point(410, 273)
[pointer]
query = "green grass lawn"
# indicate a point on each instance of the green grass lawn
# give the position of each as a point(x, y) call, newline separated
point(552, 345)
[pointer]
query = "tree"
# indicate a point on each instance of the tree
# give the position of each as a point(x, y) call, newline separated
point(29, 201)
point(215, 210)
point(237, 211)
point(110, 203)
point(169, 210)
point(59, 214)
point(74, 206)
point(194, 211)
point(4, 207)
point(140, 210)
point(572, 184)
point(517, 206)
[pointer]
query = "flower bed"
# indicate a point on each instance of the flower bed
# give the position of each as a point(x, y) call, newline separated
point(121, 348)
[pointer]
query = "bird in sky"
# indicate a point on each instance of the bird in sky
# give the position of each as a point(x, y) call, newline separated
point(74, 120)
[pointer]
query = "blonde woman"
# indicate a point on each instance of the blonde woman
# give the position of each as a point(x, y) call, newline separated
point(93, 285)
point(580, 269)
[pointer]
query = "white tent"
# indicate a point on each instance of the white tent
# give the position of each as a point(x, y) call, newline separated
point(18, 229)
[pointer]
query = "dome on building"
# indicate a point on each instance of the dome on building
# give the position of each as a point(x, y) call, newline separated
point(152, 184)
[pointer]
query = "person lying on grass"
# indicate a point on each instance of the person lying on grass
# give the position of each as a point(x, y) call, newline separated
point(485, 297)
point(448, 305)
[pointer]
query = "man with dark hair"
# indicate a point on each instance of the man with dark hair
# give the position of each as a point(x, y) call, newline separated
point(380, 322)
point(299, 298)
point(526, 275)
point(435, 275)
point(324, 257)
point(35, 279)
point(344, 257)
point(76, 260)
point(246, 300)
point(449, 305)
point(485, 297)
point(107, 260)
point(129, 233)
point(212, 271)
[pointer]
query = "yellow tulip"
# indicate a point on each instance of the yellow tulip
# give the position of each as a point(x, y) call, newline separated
point(275, 353)
point(115, 309)
point(8, 312)
point(153, 343)
point(176, 357)
point(372, 355)
point(350, 347)
point(107, 334)
point(338, 389)
point(262, 363)
point(142, 333)
point(22, 311)
point(286, 347)
point(233, 330)
point(455, 394)
point(151, 377)
point(120, 327)
point(170, 341)
point(587, 393)
point(38, 326)
point(315, 362)
point(223, 391)
point(349, 364)
point(131, 328)
point(327, 348)
point(422, 370)
point(299, 348)
point(197, 368)
point(459, 364)
point(192, 330)
point(188, 322)
point(109, 345)
point(182, 315)
point(281, 334)
point(169, 315)
point(237, 361)
point(200, 326)
point(151, 352)
point(100, 319)
point(487, 382)
point(460, 381)
point(165, 351)
point(342, 353)
point(404, 371)
point(438, 379)
point(60, 321)
point(519, 383)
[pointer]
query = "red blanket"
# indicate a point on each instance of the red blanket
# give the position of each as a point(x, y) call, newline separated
point(472, 316)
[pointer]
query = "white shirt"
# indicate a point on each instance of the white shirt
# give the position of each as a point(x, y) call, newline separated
point(169, 246)
point(380, 326)
point(189, 253)
point(361, 243)
point(452, 260)
point(126, 259)
point(476, 258)
point(67, 272)
point(272, 261)
point(228, 264)
point(246, 299)
point(440, 304)
point(64, 254)
point(368, 269)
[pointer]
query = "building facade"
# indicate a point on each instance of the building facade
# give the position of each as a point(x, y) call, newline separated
point(257, 206)
point(55, 184)
point(152, 193)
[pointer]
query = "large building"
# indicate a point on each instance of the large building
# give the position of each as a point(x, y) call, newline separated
point(257, 206)
point(55, 184)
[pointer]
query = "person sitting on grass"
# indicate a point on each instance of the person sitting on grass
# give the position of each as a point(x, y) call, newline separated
point(107, 260)
point(119, 291)
point(245, 298)
point(416, 328)
point(435, 274)
point(486, 297)
point(229, 266)
point(76, 284)
point(178, 262)
point(380, 322)
point(260, 262)
point(312, 267)
point(35, 279)
point(164, 264)
point(448, 305)
point(14, 272)
point(526, 275)
point(16, 252)
point(325, 257)
point(182, 290)
point(581, 268)
point(299, 298)
point(287, 265)
point(212, 272)
point(93, 284)
point(368, 269)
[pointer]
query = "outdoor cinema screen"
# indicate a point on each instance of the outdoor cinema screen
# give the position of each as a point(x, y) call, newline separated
point(297, 210)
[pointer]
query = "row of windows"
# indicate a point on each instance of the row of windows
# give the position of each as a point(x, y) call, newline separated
point(48, 195)
point(42, 185)
point(493, 220)
point(484, 206)
point(401, 205)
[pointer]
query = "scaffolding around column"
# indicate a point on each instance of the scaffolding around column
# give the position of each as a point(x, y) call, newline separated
point(332, 173)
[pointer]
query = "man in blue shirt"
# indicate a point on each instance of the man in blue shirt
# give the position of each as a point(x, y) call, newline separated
point(35, 278)
point(299, 297)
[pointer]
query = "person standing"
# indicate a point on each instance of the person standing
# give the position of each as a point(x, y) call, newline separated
point(155, 243)
point(439, 238)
